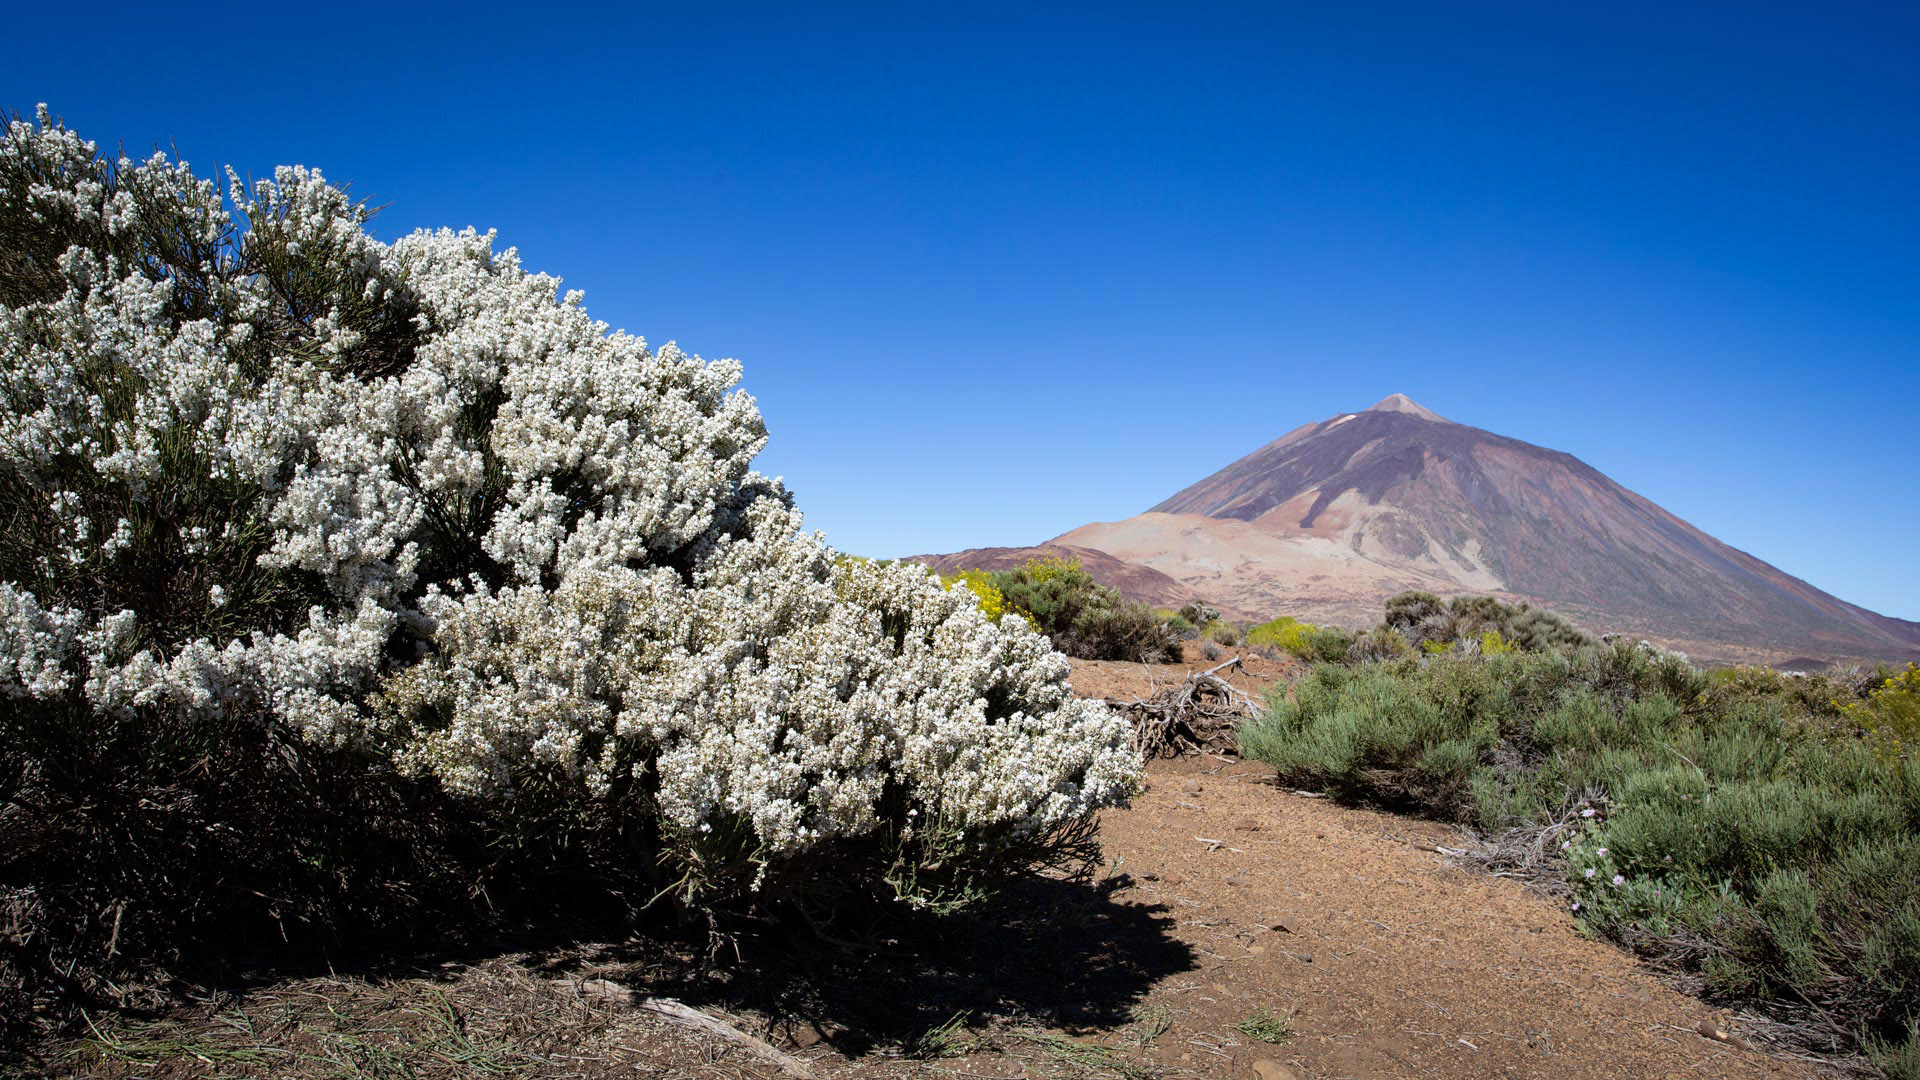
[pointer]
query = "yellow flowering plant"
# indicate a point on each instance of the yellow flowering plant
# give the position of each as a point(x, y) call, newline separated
point(1890, 714)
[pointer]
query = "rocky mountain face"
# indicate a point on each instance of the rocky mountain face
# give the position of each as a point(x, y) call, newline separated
point(1333, 517)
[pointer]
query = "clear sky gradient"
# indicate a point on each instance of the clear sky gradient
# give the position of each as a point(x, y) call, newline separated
point(995, 274)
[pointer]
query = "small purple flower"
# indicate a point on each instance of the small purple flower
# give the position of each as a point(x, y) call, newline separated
point(1576, 905)
point(1590, 872)
point(1602, 853)
point(1619, 880)
point(1669, 858)
point(1565, 844)
point(1588, 812)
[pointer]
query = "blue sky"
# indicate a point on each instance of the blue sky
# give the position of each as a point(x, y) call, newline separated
point(998, 272)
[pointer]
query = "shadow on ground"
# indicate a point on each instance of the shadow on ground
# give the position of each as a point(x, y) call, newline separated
point(1060, 954)
point(1069, 955)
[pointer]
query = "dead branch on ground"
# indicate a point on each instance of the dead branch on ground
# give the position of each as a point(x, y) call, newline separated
point(1195, 716)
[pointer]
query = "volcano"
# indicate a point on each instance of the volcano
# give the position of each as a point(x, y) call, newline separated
point(1333, 517)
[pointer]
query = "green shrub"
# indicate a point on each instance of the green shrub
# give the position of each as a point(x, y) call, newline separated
point(1199, 613)
point(1122, 630)
point(1422, 618)
point(1537, 630)
point(1327, 644)
point(1315, 644)
point(1222, 632)
point(1379, 643)
point(1706, 818)
point(1053, 592)
point(1890, 715)
point(1899, 1056)
point(1408, 612)
point(1083, 617)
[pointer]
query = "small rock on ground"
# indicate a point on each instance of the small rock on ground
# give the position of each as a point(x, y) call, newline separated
point(1269, 1069)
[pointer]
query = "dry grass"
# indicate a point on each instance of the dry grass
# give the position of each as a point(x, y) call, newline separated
point(501, 1019)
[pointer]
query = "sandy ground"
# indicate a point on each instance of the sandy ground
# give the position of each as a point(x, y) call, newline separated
point(1392, 960)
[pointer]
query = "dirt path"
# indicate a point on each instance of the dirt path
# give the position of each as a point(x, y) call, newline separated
point(1391, 960)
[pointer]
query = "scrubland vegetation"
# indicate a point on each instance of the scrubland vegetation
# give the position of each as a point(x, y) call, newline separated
point(1759, 832)
point(1315, 644)
point(350, 587)
point(355, 592)
point(1082, 617)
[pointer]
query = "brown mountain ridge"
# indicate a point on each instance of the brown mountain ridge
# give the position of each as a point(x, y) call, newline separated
point(1136, 580)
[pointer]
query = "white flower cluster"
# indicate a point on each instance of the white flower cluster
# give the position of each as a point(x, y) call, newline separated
point(780, 687)
point(34, 645)
point(526, 543)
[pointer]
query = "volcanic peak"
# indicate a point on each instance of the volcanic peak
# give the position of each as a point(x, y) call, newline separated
point(1401, 403)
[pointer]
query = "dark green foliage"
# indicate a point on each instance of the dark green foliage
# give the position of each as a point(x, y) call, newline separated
point(1537, 630)
point(1409, 610)
point(130, 844)
point(1123, 630)
point(1379, 643)
point(1327, 644)
point(1429, 623)
point(1898, 1057)
point(1054, 593)
point(1199, 613)
point(1083, 617)
point(1761, 843)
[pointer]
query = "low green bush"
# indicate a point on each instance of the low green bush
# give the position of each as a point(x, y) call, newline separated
point(1433, 625)
point(1223, 632)
point(1178, 625)
point(1709, 820)
point(1890, 713)
point(1199, 613)
point(1315, 644)
point(1123, 630)
point(1380, 643)
point(1083, 617)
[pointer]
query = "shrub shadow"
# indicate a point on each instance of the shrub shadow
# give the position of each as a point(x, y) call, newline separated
point(1062, 954)
point(1065, 954)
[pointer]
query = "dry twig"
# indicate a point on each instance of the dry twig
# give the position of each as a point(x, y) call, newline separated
point(694, 1018)
point(1196, 716)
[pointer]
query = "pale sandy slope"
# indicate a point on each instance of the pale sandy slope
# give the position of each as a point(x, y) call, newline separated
point(1253, 571)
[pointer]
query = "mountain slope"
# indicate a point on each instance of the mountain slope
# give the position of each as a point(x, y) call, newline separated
point(1330, 518)
point(1131, 579)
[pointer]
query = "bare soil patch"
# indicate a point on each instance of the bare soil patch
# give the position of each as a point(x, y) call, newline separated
point(1125, 681)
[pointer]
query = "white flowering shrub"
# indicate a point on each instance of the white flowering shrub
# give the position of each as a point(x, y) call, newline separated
point(398, 510)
